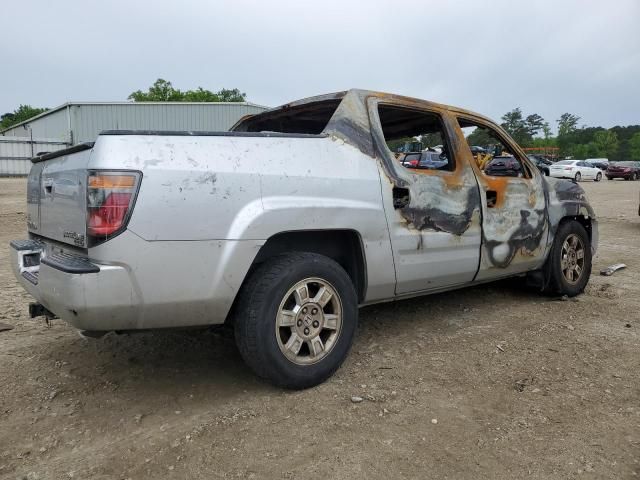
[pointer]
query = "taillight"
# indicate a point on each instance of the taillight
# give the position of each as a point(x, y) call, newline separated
point(110, 197)
point(414, 163)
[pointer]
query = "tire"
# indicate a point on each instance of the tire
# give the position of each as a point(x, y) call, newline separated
point(578, 177)
point(634, 176)
point(598, 177)
point(627, 178)
point(557, 279)
point(609, 178)
point(269, 348)
point(546, 172)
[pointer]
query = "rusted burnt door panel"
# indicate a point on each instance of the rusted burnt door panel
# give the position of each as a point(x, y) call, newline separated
point(435, 241)
point(515, 216)
point(435, 230)
point(515, 229)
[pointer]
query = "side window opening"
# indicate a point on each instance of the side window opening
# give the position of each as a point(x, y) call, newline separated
point(492, 155)
point(309, 118)
point(416, 138)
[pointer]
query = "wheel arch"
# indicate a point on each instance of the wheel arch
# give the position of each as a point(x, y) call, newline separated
point(345, 246)
point(583, 220)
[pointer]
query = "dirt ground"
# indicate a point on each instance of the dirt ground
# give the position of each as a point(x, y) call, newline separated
point(488, 382)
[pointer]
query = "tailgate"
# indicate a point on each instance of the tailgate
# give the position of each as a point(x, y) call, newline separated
point(56, 196)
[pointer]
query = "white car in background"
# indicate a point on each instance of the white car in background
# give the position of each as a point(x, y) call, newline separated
point(575, 169)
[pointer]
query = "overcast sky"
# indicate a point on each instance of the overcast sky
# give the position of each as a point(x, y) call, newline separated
point(546, 57)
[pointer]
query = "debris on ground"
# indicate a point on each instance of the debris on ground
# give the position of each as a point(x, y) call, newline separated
point(525, 382)
point(5, 327)
point(356, 399)
point(611, 269)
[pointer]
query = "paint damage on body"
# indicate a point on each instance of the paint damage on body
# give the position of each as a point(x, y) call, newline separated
point(519, 227)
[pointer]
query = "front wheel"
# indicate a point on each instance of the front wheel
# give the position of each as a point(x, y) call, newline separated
point(568, 266)
point(295, 319)
point(598, 177)
point(634, 176)
point(578, 177)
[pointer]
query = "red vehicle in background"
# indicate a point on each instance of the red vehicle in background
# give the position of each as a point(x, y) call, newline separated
point(626, 170)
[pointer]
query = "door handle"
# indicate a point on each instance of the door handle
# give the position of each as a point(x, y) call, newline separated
point(492, 198)
point(401, 197)
point(48, 185)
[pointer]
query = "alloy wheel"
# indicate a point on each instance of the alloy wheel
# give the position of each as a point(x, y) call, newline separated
point(572, 258)
point(309, 321)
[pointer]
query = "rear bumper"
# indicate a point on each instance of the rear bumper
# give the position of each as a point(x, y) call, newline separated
point(132, 284)
point(87, 295)
point(561, 174)
point(618, 175)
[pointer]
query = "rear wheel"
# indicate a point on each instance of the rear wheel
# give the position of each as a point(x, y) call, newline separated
point(598, 177)
point(578, 177)
point(568, 266)
point(296, 318)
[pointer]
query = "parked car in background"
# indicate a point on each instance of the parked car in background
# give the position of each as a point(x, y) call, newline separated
point(626, 170)
point(601, 163)
point(575, 169)
point(476, 150)
point(428, 160)
point(409, 160)
point(542, 163)
point(504, 166)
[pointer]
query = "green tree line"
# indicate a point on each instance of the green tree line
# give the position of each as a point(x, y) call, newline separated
point(20, 114)
point(616, 144)
point(163, 91)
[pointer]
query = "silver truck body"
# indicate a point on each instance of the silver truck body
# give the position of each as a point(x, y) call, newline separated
point(209, 205)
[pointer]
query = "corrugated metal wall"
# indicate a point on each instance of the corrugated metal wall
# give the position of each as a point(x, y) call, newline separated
point(11, 168)
point(16, 153)
point(89, 120)
point(51, 126)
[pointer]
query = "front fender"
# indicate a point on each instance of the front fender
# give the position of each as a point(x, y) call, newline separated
point(566, 198)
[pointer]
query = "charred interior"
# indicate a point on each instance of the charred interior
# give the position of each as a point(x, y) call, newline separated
point(401, 127)
point(307, 118)
point(398, 122)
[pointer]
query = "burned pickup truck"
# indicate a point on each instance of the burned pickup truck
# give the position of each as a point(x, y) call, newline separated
point(288, 223)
